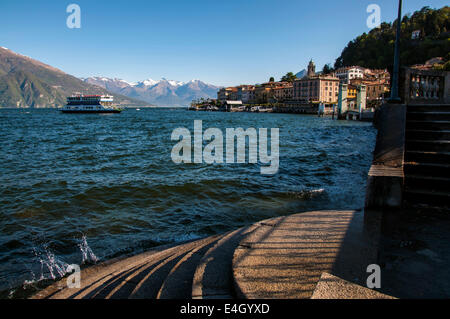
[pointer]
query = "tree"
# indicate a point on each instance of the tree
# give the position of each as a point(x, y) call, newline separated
point(289, 77)
point(375, 49)
point(272, 79)
point(327, 69)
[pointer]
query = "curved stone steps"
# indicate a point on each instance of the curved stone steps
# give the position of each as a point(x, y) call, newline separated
point(147, 286)
point(213, 276)
point(101, 289)
point(107, 279)
point(125, 285)
point(178, 283)
point(96, 275)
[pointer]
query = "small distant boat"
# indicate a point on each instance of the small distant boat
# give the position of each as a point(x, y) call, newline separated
point(79, 103)
point(138, 109)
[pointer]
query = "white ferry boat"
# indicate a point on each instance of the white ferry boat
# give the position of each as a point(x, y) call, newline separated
point(79, 103)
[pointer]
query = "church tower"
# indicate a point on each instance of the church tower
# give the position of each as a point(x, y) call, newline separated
point(311, 68)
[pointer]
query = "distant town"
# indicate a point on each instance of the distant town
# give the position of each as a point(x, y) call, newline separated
point(352, 91)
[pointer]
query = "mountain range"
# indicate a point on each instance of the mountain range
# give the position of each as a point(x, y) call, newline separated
point(301, 74)
point(25, 82)
point(162, 93)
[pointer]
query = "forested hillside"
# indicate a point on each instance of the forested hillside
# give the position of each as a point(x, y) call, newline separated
point(376, 49)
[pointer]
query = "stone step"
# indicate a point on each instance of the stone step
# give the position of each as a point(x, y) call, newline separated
point(417, 181)
point(428, 125)
point(427, 134)
point(285, 257)
point(94, 277)
point(332, 287)
point(427, 197)
point(142, 280)
point(178, 283)
point(112, 288)
point(143, 283)
point(427, 157)
point(428, 116)
point(428, 145)
point(149, 286)
point(428, 108)
point(213, 276)
point(430, 169)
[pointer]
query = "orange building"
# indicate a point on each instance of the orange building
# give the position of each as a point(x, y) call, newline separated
point(322, 89)
point(376, 89)
point(283, 92)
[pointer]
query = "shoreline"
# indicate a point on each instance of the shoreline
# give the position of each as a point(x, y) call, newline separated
point(365, 116)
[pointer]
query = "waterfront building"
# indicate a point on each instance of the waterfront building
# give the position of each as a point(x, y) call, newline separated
point(376, 89)
point(222, 95)
point(203, 104)
point(361, 98)
point(351, 91)
point(263, 94)
point(246, 93)
point(283, 92)
point(346, 74)
point(349, 102)
point(314, 88)
point(342, 99)
point(233, 94)
point(317, 89)
point(225, 94)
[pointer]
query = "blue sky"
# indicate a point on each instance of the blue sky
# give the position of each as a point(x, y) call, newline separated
point(225, 42)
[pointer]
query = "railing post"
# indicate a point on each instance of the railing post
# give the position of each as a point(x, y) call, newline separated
point(407, 85)
point(395, 77)
point(446, 88)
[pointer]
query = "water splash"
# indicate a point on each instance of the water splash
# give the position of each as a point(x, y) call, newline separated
point(54, 268)
point(87, 254)
point(51, 267)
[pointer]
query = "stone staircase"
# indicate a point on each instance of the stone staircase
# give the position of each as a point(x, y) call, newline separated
point(197, 269)
point(427, 157)
point(274, 258)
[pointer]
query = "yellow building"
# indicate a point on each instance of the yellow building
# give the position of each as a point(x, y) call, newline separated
point(351, 92)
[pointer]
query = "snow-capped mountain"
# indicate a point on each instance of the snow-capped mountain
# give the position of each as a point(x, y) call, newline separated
point(26, 82)
point(110, 84)
point(163, 92)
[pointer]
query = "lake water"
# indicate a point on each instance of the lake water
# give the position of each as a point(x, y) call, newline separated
point(82, 188)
